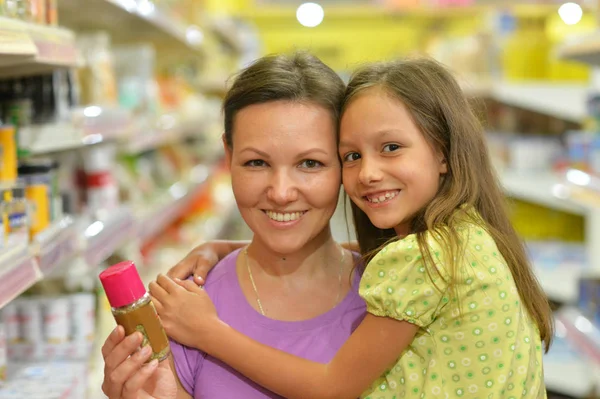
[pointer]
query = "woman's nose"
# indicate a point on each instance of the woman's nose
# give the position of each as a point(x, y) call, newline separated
point(282, 189)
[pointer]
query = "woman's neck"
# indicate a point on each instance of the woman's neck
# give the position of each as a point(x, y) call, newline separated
point(307, 261)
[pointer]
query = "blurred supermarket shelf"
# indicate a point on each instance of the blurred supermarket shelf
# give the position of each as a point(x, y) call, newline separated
point(171, 205)
point(107, 234)
point(93, 124)
point(140, 20)
point(561, 284)
point(583, 48)
point(581, 332)
point(95, 239)
point(543, 188)
point(18, 271)
point(27, 48)
point(560, 100)
point(566, 371)
point(56, 245)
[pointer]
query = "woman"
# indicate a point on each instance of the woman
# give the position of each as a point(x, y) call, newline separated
point(293, 286)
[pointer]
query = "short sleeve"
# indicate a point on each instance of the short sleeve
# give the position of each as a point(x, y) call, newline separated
point(188, 363)
point(397, 284)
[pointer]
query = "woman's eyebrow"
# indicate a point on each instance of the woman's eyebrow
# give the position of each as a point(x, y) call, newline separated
point(312, 151)
point(255, 150)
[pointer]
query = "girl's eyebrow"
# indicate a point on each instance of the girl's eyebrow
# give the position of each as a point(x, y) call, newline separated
point(382, 133)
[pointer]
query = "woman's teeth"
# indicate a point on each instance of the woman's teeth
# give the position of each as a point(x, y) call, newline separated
point(284, 217)
point(376, 199)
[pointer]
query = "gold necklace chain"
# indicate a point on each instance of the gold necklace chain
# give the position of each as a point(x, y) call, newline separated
point(258, 302)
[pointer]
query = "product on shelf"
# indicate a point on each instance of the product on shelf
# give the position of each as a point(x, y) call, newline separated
point(583, 151)
point(96, 76)
point(45, 326)
point(589, 298)
point(101, 188)
point(17, 222)
point(132, 307)
point(37, 179)
point(42, 12)
point(8, 154)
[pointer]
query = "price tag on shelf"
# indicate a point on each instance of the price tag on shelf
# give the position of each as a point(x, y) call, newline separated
point(54, 45)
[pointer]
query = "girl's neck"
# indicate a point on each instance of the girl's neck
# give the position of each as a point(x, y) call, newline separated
point(309, 260)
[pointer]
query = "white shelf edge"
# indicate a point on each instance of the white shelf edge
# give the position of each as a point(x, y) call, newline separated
point(563, 100)
point(34, 48)
point(539, 188)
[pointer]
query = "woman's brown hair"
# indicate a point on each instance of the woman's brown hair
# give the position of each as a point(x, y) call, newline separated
point(441, 111)
point(297, 77)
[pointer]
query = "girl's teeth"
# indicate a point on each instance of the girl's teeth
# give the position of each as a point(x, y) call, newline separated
point(383, 197)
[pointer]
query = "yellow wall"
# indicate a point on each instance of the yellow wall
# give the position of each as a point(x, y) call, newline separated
point(347, 39)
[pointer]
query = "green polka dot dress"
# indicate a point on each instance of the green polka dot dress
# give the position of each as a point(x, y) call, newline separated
point(490, 348)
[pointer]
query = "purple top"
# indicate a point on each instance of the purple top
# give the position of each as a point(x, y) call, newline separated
point(317, 339)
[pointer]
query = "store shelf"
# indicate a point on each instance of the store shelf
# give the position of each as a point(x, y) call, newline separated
point(541, 188)
point(149, 134)
point(137, 21)
point(561, 284)
point(585, 48)
point(57, 244)
point(581, 332)
point(171, 205)
point(105, 235)
point(15, 42)
point(18, 271)
point(566, 371)
point(560, 100)
point(27, 48)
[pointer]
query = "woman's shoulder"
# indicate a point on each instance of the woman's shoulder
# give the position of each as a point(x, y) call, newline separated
point(224, 272)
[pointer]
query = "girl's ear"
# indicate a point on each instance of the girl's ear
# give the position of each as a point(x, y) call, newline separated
point(443, 164)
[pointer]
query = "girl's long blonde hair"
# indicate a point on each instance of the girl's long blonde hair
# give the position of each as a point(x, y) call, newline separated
point(441, 111)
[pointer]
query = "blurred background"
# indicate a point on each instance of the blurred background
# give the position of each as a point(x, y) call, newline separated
point(110, 149)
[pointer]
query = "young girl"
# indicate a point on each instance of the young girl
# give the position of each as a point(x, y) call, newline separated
point(454, 308)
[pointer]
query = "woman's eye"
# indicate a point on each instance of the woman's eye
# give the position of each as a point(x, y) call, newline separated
point(255, 163)
point(390, 147)
point(351, 156)
point(310, 164)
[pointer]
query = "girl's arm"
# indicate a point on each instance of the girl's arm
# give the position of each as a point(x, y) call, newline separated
point(374, 347)
point(200, 261)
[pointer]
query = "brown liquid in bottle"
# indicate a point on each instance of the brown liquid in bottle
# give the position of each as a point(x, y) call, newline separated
point(144, 319)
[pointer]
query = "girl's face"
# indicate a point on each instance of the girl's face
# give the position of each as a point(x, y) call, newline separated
point(285, 172)
point(390, 171)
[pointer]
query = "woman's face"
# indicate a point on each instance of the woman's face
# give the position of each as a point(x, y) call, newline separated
point(285, 172)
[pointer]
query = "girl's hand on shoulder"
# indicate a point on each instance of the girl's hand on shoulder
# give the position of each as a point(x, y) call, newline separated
point(185, 310)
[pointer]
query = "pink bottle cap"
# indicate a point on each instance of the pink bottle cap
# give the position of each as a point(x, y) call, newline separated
point(122, 284)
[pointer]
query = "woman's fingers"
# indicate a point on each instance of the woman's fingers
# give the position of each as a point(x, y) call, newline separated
point(128, 370)
point(136, 382)
point(122, 351)
point(115, 337)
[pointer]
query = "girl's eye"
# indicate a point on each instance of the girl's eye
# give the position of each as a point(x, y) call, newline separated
point(255, 163)
point(391, 147)
point(351, 156)
point(310, 164)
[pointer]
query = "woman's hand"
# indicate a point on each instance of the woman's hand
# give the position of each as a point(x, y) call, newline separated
point(126, 376)
point(200, 261)
point(185, 310)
